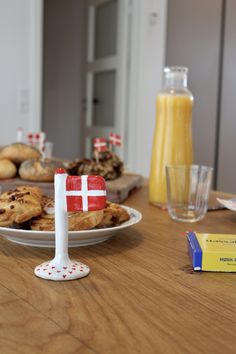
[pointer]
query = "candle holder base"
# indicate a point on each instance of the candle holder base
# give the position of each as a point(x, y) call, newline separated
point(68, 270)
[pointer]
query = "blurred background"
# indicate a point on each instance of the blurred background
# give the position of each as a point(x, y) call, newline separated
point(81, 68)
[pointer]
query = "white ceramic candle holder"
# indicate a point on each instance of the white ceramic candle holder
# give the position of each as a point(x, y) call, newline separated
point(61, 268)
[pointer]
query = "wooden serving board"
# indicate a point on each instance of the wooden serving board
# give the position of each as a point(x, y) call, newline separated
point(117, 190)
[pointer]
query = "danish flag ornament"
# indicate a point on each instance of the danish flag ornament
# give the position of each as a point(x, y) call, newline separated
point(100, 144)
point(19, 135)
point(30, 138)
point(72, 193)
point(115, 139)
point(85, 193)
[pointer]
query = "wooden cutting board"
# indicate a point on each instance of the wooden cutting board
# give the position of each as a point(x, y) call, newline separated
point(117, 190)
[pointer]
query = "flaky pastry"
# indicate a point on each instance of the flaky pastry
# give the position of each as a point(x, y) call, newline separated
point(20, 205)
point(112, 215)
point(76, 220)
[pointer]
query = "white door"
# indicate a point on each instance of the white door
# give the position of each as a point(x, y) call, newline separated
point(106, 70)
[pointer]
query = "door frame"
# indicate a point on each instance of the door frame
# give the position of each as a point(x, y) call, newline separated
point(36, 65)
point(145, 25)
point(147, 44)
point(116, 62)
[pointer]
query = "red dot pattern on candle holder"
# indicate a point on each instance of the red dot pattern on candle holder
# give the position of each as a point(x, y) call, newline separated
point(69, 271)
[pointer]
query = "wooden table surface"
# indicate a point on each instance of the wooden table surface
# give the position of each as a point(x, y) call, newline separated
point(141, 295)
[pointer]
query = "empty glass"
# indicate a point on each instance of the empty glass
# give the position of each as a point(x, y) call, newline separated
point(188, 189)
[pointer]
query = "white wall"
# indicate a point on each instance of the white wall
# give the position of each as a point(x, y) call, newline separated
point(18, 67)
point(194, 27)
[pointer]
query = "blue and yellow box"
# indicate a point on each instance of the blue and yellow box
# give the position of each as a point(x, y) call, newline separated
point(212, 252)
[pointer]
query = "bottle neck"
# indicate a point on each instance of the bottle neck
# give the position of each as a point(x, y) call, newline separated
point(175, 80)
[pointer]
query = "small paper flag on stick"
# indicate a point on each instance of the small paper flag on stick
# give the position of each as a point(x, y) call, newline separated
point(72, 193)
point(96, 154)
point(42, 137)
point(30, 138)
point(36, 138)
point(115, 139)
point(19, 137)
point(100, 144)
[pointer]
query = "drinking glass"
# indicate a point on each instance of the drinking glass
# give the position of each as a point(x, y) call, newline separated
point(188, 189)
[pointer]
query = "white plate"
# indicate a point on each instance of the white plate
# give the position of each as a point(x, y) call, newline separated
point(228, 203)
point(76, 238)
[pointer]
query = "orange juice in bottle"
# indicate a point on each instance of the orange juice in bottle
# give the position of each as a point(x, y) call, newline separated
point(172, 143)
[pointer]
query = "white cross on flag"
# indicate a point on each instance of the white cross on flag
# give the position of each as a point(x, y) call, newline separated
point(100, 144)
point(115, 139)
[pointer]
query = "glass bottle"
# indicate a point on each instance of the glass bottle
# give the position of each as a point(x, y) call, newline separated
point(172, 143)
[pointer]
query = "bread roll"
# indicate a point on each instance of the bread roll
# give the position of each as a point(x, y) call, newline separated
point(7, 169)
point(41, 170)
point(19, 152)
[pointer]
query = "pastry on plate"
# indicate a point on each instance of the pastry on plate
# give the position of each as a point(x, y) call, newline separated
point(112, 215)
point(19, 152)
point(20, 205)
point(76, 220)
point(7, 169)
point(108, 165)
point(39, 170)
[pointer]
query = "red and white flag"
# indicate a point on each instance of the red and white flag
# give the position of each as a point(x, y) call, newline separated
point(30, 138)
point(100, 144)
point(115, 139)
point(42, 137)
point(37, 140)
point(83, 193)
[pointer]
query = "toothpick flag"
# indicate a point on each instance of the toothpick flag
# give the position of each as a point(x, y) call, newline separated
point(72, 193)
point(100, 144)
point(30, 137)
point(37, 140)
point(115, 139)
point(19, 137)
point(42, 137)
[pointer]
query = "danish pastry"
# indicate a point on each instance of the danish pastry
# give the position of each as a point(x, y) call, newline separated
point(109, 166)
point(76, 220)
point(114, 215)
point(20, 205)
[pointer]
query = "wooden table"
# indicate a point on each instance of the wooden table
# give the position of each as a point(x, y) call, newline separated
point(141, 295)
